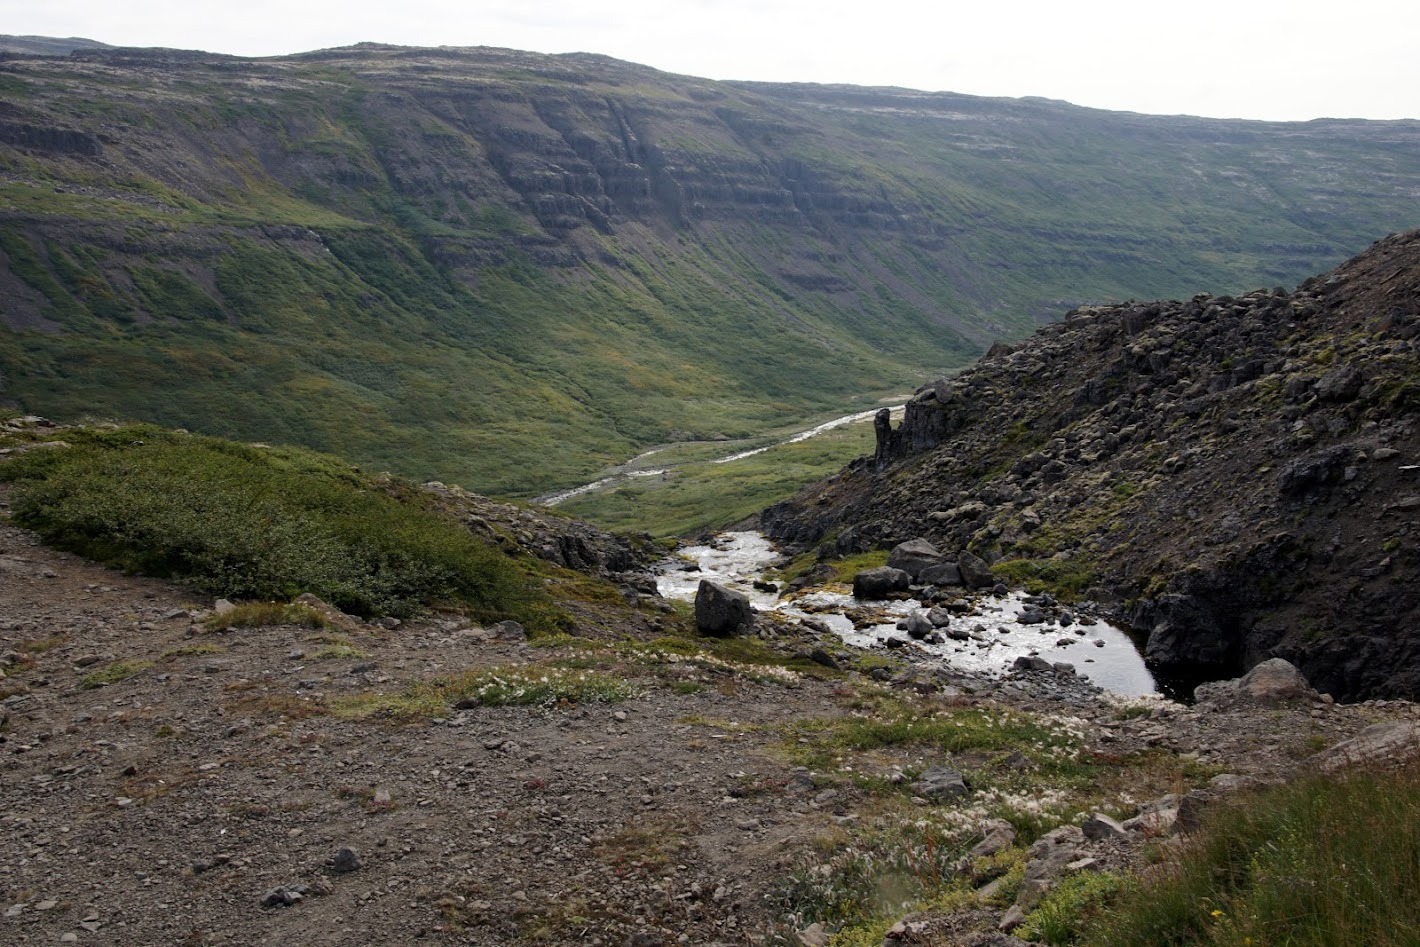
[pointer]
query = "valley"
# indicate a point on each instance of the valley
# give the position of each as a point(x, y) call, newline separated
point(442, 262)
point(467, 496)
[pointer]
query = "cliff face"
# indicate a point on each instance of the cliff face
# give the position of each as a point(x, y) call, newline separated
point(1240, 475)
point(381, 251)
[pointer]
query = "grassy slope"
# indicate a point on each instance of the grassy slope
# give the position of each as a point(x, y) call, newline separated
point(337, 257)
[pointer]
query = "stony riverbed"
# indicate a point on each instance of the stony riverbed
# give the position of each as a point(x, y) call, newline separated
point(987, 639)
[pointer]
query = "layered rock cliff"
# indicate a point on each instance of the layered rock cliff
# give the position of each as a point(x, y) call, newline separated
point(1240, 475)
point(443, 260)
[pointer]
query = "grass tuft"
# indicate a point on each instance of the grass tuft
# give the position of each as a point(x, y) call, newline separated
point(113, 673)
point(1061, 917)
point(1322, 862)
point(261, 614)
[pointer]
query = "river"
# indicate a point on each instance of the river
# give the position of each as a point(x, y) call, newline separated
point(632, 471)
point(994, 634)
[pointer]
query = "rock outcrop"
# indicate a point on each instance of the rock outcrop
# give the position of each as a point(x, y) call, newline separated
point(1238, 474)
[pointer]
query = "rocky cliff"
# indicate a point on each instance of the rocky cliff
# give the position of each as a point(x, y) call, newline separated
point(1240, 475)
point(380, 251)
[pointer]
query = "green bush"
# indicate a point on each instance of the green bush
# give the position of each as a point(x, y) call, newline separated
point(251, 522)
point(1059, 919)
point(1323, 862)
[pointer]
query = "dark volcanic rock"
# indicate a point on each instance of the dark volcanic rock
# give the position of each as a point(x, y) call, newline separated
point(914, 556)
point(1184, 631)
point(722, 612)
point(974, 572)
point(940, 784)
point(878, 583)
point(1242, 470)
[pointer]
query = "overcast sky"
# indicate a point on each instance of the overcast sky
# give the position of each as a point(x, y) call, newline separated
point(1269, 59)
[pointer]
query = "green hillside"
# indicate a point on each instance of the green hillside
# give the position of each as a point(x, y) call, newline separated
point(510, 270)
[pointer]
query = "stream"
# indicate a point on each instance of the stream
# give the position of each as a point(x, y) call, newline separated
point(631, 470)
point(994, 634)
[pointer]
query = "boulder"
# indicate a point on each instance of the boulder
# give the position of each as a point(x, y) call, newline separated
point(941, 573)
point(1340, 384)
point(1101, 827)
point(916, 625)
point(1395, 741)
point(939, 617)
point(914, 556)
point(1191, 808)
point(998, 835)
point(334, 616)
point(721, 612)
point(1046, 863)
point(1316, 469)
point(1270, 684)
point(940, 784)
point(975, 573)
point(508, 631)
point(878, 583)
point(1156, 818)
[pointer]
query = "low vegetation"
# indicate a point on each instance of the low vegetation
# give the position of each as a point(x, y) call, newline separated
point(512, 685)
point(701, 493)
point(260, 614)
point(580, 670)
point(247, 521)
point(1322, 862)
point(113, 673)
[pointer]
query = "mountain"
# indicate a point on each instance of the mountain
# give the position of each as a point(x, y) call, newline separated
point(46, 45)
point(1239, 475)
point(511, 270)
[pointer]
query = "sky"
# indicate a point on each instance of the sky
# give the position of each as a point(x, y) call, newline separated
point(1261, 59)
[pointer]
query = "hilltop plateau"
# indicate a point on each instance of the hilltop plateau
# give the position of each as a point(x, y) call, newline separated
point(1237, 475)
point(444, 262)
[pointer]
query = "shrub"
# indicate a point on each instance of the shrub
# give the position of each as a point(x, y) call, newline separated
point(1060, 918)
point(250, 522)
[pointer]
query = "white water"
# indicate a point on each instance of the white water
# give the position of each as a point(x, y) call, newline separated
point(627, 470)
point(997, 637)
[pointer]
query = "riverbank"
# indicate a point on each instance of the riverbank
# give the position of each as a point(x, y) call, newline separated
point(985, 634)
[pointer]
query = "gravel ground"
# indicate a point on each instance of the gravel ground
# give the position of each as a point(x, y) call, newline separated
point(208, 798)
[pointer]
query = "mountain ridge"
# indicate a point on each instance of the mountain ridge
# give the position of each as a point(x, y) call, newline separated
point(442, 261)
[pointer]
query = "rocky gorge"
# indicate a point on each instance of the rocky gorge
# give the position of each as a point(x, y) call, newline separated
point(1235, 476)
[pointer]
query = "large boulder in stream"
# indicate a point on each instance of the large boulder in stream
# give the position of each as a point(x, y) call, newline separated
point(974, 571)
point(914, 556)
point(721, 612)
point(880, 582)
